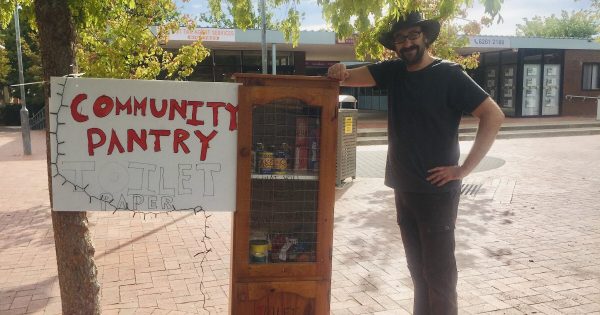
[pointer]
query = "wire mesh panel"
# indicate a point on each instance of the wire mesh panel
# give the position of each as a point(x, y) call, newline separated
point(285, 182)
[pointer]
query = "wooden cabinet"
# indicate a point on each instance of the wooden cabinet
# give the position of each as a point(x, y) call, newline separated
point(283, 224)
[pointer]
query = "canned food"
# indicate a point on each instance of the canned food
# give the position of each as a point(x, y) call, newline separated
point(280, 163)
point(265, 162)
point(259, 250)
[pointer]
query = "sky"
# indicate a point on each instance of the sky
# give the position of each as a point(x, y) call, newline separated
point(513, 12)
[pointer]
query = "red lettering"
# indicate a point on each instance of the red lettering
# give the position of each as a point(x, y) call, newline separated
point(179, 140)
point(215, 106)
point(126, 106)
point(140, 139)
point(157, 134)
point(176, 107)
point(139, 105)
point(103, 105)
point(74, 108)
point(155, 112)
point(204, 140)
point(93, 145)
point(114, 142)
point(193, 121)
point(233, 110)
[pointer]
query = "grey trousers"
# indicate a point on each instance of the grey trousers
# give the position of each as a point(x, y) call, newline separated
point(427, 224)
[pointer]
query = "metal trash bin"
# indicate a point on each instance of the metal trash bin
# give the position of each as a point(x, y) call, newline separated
point(346, 140)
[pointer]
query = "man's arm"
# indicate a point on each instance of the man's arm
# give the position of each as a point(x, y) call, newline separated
point(359, 77)
point(490, 118)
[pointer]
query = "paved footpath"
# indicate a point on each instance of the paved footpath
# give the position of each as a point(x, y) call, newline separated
point(528, 240)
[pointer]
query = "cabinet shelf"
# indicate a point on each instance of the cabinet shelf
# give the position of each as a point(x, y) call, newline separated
point(312, 176)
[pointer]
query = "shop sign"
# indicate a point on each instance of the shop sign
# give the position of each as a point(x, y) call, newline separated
point(143, 145)
point(346, 41)
point(489, 42)
point(205, 34)
point(351, 40)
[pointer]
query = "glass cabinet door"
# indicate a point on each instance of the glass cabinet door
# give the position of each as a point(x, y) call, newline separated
point(284, 182)
point(282, 234)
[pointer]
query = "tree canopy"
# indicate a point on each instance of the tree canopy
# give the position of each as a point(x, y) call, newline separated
point(122, 38)
point(365, 19)
point(117, 39)
point(207, 19)
point(580, 24)
point(32, 66)
point(4, 64)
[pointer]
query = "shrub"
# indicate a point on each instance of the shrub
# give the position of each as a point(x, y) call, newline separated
point(10, 114)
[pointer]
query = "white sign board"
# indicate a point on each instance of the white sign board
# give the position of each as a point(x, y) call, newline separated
point(205, 34)
point(143, 145)
point(489, 42)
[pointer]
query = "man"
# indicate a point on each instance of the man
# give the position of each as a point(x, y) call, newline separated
point(426, 99)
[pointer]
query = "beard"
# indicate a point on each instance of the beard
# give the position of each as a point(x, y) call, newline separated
point(412, 55)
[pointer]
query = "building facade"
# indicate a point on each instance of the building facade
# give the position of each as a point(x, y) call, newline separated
point(528, 77)
point(538, 76)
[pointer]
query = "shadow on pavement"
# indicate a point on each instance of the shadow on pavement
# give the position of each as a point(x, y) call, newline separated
point(39, 292)
point(26, 227)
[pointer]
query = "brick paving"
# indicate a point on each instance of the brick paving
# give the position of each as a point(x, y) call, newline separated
point(528, 240)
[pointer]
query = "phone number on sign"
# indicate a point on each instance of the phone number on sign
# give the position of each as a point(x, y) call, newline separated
point(488, 41)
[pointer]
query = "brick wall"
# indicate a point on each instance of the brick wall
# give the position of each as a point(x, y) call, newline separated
point(574, 60)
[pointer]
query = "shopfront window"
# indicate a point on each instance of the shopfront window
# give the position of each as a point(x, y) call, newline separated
point(591, 76)
point(532, 71)
point(228, 57)
point(508, 82)
point(203, 71)
point(492, 70)
point(227, 62)
point(551, 82)
point(252, 62)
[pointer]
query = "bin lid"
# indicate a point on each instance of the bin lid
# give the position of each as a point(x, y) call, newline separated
point(346, 98)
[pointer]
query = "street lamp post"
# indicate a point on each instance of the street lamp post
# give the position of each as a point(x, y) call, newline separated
point(264, 36)
point(24, 112)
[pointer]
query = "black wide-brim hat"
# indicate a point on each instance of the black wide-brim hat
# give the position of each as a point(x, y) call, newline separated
point(430, 27)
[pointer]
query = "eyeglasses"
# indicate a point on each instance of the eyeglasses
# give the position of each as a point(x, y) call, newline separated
point(400, 39)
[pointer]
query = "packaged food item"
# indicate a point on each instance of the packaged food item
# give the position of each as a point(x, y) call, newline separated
point(301, 131)
point(301, 159)
point(259, 251)
point(280, 160)
point(313, 162)
point(315, 137)
point(265, 162)
point(286, 253)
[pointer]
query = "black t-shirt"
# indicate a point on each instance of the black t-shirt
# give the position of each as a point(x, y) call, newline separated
point(424, 112)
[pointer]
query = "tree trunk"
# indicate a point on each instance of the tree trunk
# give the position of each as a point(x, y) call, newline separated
point(77, 273)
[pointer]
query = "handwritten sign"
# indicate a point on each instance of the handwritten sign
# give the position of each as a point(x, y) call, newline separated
point(143, 145)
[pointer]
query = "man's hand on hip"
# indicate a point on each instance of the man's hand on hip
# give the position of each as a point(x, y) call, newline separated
point(441, 175)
